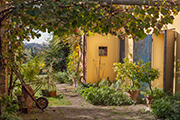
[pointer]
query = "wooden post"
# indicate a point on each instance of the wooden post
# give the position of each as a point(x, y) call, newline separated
point(84, 57)
point(138, 2)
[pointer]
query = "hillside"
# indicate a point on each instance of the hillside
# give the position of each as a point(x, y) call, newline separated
point(36, 46)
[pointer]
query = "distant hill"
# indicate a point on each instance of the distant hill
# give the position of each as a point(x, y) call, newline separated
point(36, 46)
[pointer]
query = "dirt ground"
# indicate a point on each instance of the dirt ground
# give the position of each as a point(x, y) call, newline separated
point(81, 110)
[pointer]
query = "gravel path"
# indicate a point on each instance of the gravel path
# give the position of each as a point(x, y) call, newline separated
point(82, 110)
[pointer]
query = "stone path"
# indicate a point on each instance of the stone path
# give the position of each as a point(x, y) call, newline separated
point(81, 110)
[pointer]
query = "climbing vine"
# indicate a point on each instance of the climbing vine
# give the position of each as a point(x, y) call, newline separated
point(21, 20)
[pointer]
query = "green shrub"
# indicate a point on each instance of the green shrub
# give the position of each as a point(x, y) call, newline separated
point(79, 89)
point(157, 93)
point(167, 107)
point(104, 82)
point(9, 108)
point(8, 105)
point(105, 96)
point(7, 116)
point(32, 68)
point(62, 77)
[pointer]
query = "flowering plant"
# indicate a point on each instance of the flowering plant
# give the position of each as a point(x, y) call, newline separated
point(133, 74)
point(148, 74)
point(74, 69)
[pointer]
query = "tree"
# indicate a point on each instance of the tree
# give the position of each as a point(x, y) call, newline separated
point(57, 53)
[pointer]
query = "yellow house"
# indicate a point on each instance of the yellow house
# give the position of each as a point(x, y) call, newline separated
point(166, 53)
point(163, 58)
point(100, 52)
point(163, 51)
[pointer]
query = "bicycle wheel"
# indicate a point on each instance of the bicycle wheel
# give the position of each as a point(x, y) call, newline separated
point(43, 102)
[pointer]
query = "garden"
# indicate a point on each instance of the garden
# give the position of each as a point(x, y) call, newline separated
point(59, 62)
point(40, 71)
point(124, 91)
point(46, 68)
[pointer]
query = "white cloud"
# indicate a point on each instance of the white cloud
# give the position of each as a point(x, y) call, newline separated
point(44, 37)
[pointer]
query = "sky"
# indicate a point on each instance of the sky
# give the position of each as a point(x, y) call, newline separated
point(40, 40)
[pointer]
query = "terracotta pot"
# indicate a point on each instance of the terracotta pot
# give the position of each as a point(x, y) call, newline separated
point(149, 101)
point(133, 94)
point(52, 94)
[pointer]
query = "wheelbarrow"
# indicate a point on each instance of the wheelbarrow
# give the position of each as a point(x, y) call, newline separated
point(28, 95)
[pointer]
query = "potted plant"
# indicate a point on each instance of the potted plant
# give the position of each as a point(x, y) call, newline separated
point(127, 75)
point(44, 88)
point(132, 75)
point(147, 75)
point(155, 93)
point(132, 91)
point(48, 87)
point(52, 90)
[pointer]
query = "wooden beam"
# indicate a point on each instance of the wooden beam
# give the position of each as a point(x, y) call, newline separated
point(138, 2)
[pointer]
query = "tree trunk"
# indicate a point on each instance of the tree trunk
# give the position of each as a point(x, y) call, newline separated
point(10, 83)
point(0, 109)
point(3, 69)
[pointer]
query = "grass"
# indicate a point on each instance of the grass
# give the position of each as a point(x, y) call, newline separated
point(114, 112)
point(121, 113)
point(58, 101)
point(112, 108)
point(61, 111)
point(142, 110)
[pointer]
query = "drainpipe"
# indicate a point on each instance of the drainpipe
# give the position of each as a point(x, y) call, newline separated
point(164, 61)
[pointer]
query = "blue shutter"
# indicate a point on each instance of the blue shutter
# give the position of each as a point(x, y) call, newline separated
point(142, 49)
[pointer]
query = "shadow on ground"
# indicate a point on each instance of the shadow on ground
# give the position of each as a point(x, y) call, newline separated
point(82, 113)
point(81, 110)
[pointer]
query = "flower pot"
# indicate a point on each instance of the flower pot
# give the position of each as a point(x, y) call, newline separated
point(133, 94)
point(149, 101)
point(52, 94)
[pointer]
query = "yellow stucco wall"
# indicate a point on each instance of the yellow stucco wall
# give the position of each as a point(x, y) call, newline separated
point(129, 48)
point(170, 60)
point(176, 25)
point(157, 57)
point(94, 61)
